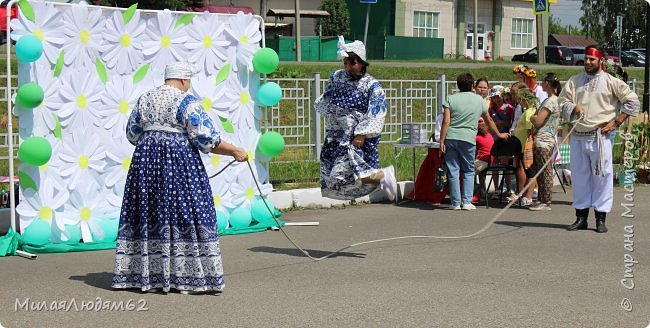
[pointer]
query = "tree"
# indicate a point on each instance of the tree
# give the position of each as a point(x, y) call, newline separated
point(599, 21)
point(156, 4)
point(338, 22)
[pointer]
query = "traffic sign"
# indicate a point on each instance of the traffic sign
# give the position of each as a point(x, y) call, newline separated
point(540, 7)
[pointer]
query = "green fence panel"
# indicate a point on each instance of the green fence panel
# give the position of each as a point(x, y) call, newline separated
point(404, 47)
point(286, 47)
point(328, 49)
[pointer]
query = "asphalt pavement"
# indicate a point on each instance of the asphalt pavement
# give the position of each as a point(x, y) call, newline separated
point(526, 270)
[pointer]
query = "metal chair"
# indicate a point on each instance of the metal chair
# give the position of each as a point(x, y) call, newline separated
point(509, 148)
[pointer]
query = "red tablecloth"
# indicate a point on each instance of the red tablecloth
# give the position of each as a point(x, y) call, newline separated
point(426, 180)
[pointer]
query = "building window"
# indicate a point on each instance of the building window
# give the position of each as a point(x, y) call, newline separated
point(425, 24)
point(522, 33)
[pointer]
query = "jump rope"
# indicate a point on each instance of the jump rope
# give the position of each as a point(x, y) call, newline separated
point(480, 231)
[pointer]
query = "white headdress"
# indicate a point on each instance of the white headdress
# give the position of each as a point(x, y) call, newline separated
point(180, 70)
point(357, 47)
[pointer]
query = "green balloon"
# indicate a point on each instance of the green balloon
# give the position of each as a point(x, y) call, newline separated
point(29, 95)
point(265, 61)
point(37, 233)
point(240, 218)
point(35, 151)
point(260, 212)
point(269, 94)
point(271, 144)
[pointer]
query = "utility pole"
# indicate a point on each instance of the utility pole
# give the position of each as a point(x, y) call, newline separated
point(298, 38)
point(475, 36)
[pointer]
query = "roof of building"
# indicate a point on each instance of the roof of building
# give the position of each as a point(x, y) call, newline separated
point(225, 9)
point(309, 13)
point(570, 40)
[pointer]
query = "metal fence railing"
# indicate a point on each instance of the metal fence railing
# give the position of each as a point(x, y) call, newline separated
point(408, 101)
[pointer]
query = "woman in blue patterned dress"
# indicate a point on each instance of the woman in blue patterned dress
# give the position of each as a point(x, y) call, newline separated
point(168, 226)
point(354, 105)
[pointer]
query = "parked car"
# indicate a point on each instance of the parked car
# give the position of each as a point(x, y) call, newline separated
point(554, 55)
point(640, 51)
point(578, 55)
point(629, 58)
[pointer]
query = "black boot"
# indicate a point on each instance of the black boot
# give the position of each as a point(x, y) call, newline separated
point(581, 220)
point(600, 222)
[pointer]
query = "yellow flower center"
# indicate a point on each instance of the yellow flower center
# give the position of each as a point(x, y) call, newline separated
point(244, 97)
point(216, 160)
point(207, 42)
point(206, 103)
point(125, 40)
point(83, 161)
point(39, 34)
point(126, 164)
point(84, 36)
point(243, 39)
point(124, 107)
point(85, 214)
point(250, 156)
point(82, 101)
point(250, 192)
point(43, 167)
point(165, 42)
point(217, 200)
point(45, 213)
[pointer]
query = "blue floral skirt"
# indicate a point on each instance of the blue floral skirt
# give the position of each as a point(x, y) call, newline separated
point(168, 227)
point(343, 166)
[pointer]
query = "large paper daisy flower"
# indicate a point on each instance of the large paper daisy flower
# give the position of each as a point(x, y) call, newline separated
point(85, 207)
point(82, 158)
point(78, 100)
point(165, 42)
point(118, 163)
point(205, 88)
point(83, 29)
point(120, 98)
point(46, 27)
point(244, 29)
point(206, 44)
point(41, 120)
point(42, 205)
point(240, 106)
point(124, 49)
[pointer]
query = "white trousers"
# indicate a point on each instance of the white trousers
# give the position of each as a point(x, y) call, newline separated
point(590, 190)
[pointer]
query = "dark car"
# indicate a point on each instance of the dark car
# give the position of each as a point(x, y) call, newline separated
point(554, 55)
point(629, 58)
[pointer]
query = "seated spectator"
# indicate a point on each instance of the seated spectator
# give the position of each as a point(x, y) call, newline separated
point(484, 143)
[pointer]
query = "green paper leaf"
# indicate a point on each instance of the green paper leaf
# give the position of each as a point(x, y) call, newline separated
point(128, 14)
point(26, 182)
point(227, 125)
point(59, 64)
point(223, 73)
point(27, 10)
point(57, 129)
point(140, 73)
point(101, 70)
point(184, 20)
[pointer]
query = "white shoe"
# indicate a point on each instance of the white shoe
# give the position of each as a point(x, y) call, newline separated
point(468, 207)
point(540, 207)
point(525, 202)
point(388, 183)
point(454, 208)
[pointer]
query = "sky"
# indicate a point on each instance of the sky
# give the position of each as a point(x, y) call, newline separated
point(568, 11)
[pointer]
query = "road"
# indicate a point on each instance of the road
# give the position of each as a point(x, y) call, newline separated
point(524, 271)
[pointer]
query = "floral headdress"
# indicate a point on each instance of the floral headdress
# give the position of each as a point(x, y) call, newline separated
point(498, 90)
point(523, 69)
